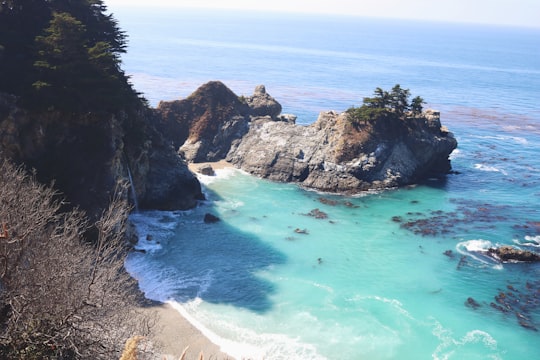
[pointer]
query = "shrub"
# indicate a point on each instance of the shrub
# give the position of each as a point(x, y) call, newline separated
point(60, 296)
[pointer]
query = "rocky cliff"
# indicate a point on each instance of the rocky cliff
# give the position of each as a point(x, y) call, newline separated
point(205, 124)
point(333, 154)
point(336, 155)
point(88, 155)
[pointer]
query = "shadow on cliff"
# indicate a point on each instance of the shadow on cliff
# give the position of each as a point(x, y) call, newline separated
point(215, 262)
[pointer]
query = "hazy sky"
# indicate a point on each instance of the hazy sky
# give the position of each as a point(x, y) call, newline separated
point(509, 12)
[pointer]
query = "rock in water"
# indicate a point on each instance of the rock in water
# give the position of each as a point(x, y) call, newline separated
point(262, 104)
point(207, 170)
point(335, 155)
point(510, 253)
point(210, 218)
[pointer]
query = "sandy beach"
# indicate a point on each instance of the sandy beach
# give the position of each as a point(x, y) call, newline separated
point(216, 165)
point(173, 333)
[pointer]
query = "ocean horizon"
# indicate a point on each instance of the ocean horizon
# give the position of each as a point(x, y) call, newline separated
point(397, 274)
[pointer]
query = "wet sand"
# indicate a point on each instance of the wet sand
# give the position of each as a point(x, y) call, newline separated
point(172, 333)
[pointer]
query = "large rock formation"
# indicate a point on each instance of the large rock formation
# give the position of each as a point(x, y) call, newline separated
point(88, 155)
point(205, 124)
point(336, 155)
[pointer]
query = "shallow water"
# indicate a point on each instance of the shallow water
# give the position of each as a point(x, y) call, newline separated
point(385, 275)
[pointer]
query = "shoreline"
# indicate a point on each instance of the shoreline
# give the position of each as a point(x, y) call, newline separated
point(173, 334)
point(216, 165)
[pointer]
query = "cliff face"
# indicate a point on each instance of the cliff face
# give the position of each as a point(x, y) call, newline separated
point(88, 155)
point(205, 124)
point(335, 155)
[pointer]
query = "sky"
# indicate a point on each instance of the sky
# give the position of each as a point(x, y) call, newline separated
point(497, 12)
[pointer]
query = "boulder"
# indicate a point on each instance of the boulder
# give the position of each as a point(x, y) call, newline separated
point(206, 169)
point(262, 104)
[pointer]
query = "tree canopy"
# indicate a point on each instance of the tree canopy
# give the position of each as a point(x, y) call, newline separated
point(63, 54)
point(387, 104)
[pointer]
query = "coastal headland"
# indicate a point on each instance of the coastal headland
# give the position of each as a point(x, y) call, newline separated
point(336, 153)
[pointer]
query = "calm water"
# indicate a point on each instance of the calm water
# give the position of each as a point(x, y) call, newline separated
point(385, 275)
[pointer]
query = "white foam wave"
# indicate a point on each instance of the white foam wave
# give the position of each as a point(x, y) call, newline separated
point(479, 245)
point(453, 348)
point(162, 284)
point(220, 174)
point(449, 347)
point(477, 249)
point(247, 344)
point(156, 285)
point(535, 239)
point(394, 303)
point(529, 241)
point(483, 167)
point(455, 154)
point(154, 228)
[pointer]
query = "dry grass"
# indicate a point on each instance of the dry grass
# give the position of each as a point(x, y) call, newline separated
point(130, 349)
point(60, 296)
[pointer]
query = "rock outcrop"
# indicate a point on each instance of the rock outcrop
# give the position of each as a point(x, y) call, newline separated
point(336, 155)
point(512, 254)
point(262, 104)
point(204, 125)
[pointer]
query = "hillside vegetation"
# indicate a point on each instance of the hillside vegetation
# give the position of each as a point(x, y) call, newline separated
point(63, 54)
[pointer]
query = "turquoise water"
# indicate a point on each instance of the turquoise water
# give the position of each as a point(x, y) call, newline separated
point(384, 275)
point(357, 285)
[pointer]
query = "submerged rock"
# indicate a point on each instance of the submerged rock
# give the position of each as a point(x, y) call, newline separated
point(317, 214)
point(210, 218)
point(472, 303)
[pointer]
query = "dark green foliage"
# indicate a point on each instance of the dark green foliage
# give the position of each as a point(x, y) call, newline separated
point(20, 23)
point(386, 105)
point(416, 105)
point(63, 54)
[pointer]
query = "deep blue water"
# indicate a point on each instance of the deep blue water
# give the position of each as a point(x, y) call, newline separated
point(372, 281)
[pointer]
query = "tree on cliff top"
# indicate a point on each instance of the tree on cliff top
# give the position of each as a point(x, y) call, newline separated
point(384, 105)
point(63, 54)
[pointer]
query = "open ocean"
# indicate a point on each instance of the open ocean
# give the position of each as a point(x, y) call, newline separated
point(387, 275)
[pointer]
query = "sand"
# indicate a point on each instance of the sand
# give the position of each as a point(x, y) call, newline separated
point(216, 165)
point(172, 333)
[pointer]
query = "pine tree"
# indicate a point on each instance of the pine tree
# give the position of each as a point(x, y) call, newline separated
point(63, 54)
